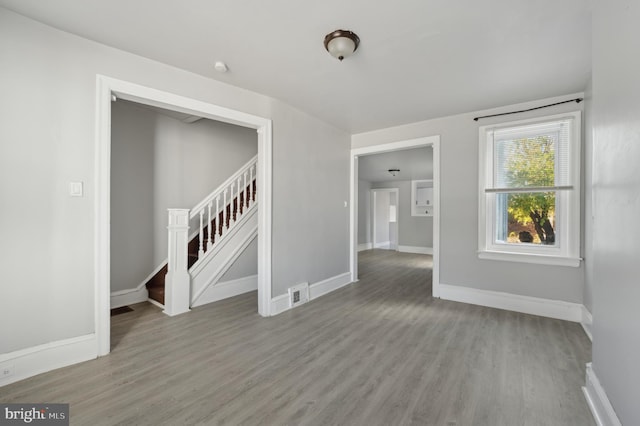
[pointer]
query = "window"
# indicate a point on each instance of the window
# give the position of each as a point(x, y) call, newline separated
point(529, 201)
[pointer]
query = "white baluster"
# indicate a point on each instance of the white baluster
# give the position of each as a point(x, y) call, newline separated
point(217, 230)
point(201, 247)
point(209, 239)
point(251, 192)
point(238, 198)
point(224, 210)
point(232, 218)
point(244, 189)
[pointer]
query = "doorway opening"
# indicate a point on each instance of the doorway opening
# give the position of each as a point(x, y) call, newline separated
point(359, 158)
point(162, 159)
point(109, 89)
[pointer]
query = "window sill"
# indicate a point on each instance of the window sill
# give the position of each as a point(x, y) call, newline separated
point(530, 258)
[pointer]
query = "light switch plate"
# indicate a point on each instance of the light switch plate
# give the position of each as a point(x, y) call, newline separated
point(75, 189)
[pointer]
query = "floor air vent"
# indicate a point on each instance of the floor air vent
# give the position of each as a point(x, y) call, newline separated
point(298, 294)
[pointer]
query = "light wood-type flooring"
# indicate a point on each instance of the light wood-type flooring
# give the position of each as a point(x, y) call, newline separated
point(381, 351)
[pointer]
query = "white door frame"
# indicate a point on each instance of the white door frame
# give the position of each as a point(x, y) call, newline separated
point(107, 88)
point(374, 192)
point(434, 142)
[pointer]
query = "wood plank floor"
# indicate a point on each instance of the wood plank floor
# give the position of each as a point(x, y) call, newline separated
point(378, 352)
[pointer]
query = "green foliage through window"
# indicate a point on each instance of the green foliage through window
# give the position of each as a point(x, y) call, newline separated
point(530, 162)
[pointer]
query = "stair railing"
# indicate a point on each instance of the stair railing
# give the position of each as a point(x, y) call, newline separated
point(225, 205)
point(217, 213)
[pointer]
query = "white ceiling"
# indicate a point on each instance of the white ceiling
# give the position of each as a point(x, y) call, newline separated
point(416, 163)
point(418, 59)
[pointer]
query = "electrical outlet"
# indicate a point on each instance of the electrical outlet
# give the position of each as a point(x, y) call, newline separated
point(6, 371)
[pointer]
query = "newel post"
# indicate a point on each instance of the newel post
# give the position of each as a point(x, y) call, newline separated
point(177, 282)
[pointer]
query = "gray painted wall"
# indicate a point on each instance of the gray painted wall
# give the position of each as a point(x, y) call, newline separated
point(48, 77)
point(311, 184)
point(459, 263)
point(179, 164)
point(616, 189)
point(132, 196)
point(364, 212)
point(415, 231)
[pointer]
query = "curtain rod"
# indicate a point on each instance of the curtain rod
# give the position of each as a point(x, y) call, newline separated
point(576, 100)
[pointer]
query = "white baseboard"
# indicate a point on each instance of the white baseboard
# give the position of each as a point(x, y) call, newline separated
point(601, 408)
point(416, 250)
point(50, 356)
point(128, 297)
point(384, 245)
point(224, 290)
point(327, 286)
point(155, 303)
point(365, 246)
point(281, 303)
point(586, 322)
point(513, 302)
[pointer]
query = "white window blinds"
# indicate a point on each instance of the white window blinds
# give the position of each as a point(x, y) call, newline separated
point(530, 158)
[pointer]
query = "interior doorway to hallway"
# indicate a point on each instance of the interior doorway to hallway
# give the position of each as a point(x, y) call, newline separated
point(426, 239)
point(109, 89)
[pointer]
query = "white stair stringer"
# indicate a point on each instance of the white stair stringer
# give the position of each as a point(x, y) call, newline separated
point(207, 272)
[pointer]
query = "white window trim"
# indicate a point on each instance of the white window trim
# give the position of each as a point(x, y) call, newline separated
point(568, 212)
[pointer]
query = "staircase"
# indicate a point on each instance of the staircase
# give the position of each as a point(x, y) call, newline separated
point(226, 219)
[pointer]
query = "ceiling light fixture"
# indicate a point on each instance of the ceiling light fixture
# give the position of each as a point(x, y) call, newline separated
point(394, 172)
point(341, 43)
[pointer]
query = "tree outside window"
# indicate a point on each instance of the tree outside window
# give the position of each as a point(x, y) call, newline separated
point(531, 216)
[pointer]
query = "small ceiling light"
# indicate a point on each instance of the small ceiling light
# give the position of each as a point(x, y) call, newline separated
point(394, 172)
point(341, 43)
point(220, 67)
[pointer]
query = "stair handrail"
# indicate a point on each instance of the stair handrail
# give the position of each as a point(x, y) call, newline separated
point(244, 198)
point(249, 165)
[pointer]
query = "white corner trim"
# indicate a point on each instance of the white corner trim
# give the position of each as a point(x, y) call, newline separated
point(586, 322)
point(327, 286)
point(415, 249)
point(601, 408)
point(280, 303)
point(226, 289)
point(513, 302)
point(50, 356)
point(365, 246)
point(128, 297)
